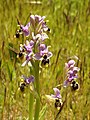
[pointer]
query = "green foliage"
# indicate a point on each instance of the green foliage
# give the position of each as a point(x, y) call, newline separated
point(69, 21)
point(42, 112)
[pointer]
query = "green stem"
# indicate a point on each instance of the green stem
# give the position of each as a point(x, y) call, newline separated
point(31, 99)
point(31, 103)
point(37, 107)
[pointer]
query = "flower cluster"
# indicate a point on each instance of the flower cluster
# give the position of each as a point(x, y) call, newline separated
point(71, 73)
point(71, 76)
point(34, 48)
point(35, 51)
point(35, 33)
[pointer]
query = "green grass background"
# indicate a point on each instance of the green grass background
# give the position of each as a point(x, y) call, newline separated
point(69, 21)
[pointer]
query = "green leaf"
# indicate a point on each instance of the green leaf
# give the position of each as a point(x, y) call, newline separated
point(42, 112)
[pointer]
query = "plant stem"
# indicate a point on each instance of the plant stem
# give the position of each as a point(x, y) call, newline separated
point(31, 99)
point(37, 107)
point(31, 102)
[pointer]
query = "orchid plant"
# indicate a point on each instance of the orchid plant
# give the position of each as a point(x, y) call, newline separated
point(36, 55)
point(71, 75)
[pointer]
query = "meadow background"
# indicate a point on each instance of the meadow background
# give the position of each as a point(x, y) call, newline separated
point(69, 21)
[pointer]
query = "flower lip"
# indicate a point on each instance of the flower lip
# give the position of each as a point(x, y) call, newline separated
point(74, 85)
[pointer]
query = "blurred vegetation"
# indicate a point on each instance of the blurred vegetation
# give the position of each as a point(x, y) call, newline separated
point(69, 21)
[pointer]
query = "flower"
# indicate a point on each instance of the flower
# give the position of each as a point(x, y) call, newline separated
point(25, 29)
point(56, 98)
point(28, 58)
point(42, 36)
point(43, 50)
point(28, 51)
point(29, 45)
point(34, 48)
point(36, 19)
point(70, 64)
point(45, 27)
point(38, 22)
point(28, 80)
point(70, 77)
point(56, 93)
